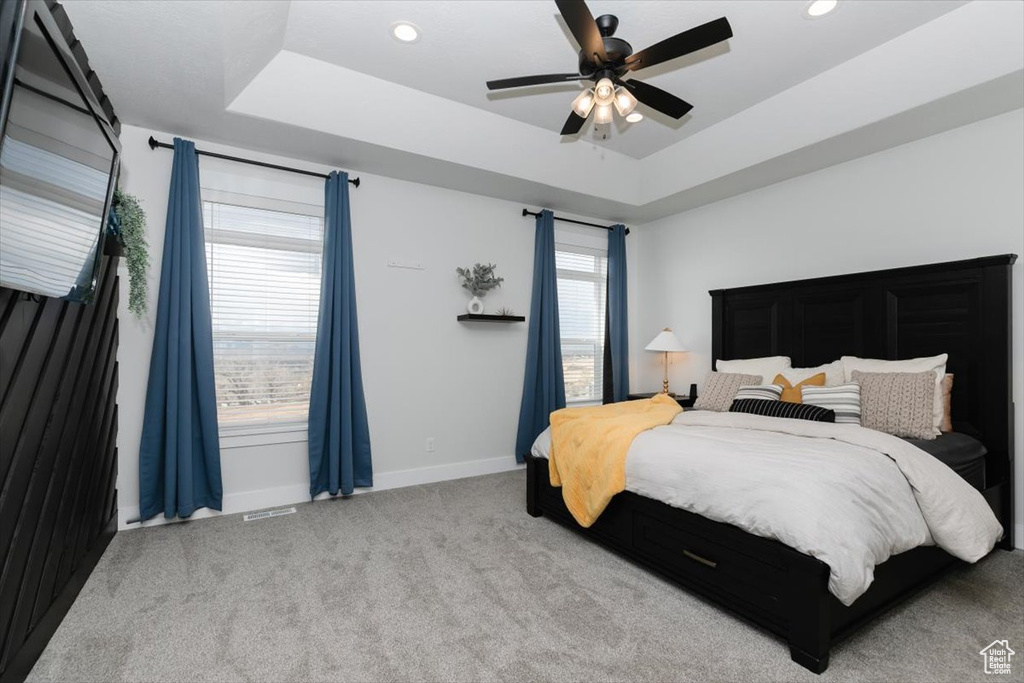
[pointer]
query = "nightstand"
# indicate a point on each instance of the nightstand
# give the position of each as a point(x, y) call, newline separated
point(683, 401)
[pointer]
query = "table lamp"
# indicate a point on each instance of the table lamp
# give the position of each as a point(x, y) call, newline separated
point(666, 342)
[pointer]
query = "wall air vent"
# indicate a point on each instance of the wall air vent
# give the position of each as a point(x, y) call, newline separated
point(268, 513)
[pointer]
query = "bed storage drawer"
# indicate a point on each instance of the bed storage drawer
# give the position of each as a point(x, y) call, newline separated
point(744, 572)
point(756, 581)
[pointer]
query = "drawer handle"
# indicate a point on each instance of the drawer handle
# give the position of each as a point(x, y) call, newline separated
point(697, 558)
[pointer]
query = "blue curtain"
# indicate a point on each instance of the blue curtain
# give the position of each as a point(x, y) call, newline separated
point(179, 456)
point(339, 435)
point(616, 324)
point(544, 385)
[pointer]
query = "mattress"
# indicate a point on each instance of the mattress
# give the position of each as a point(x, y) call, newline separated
point(961, 453)
point(849, 496)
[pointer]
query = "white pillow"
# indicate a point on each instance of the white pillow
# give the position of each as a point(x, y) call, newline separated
point(767, 367)
point(834, 373)
point(936, 364)
point(542, 445)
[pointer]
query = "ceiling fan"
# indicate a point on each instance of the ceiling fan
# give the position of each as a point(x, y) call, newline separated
point(605, 59)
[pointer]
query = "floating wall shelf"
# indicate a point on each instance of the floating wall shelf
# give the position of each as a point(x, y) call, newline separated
point(486, 318)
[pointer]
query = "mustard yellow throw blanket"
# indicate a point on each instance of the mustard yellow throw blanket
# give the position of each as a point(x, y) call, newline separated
point(589, 446)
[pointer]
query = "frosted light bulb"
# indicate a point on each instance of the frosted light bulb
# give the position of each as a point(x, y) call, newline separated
point(604, 91)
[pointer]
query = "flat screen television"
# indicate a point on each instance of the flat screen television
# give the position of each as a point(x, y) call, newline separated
point(59, 159)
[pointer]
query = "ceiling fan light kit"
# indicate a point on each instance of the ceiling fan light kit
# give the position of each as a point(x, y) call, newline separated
point(604, 91)
point(605, 60)
point(624, 102)
point(583, 103)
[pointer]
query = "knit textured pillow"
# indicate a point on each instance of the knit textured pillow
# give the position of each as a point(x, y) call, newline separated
point(720, 388)
point(898, 403)
point(793, 411)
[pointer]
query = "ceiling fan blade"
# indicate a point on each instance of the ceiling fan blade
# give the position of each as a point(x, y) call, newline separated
point(573, 124)
point(656, 98)
point(681, 44)
point(503, 83)
point(584, 29)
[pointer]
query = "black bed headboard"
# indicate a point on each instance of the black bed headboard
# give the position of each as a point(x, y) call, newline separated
point(961, 308)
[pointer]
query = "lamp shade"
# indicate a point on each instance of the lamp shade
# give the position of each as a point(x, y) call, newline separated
point(665, 341)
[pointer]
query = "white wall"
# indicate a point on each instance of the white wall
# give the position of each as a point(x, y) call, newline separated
point(951, 196)
point(956, 195)
point(424, 373)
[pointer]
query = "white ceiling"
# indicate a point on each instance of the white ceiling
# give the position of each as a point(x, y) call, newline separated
point(464, 44)
point(324, 81)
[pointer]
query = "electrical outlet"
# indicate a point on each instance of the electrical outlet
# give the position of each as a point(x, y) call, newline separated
point(430, 444)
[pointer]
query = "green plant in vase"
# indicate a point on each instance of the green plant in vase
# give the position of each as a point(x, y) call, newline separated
point(479, 280)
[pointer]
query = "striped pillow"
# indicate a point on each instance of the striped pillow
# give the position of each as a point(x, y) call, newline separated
point(764, 392)
point(842, 398)
point(795, 411)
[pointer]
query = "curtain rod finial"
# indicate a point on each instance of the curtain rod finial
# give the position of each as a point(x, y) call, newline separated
point(526, 212)
point(153, 144)
point(355, 181)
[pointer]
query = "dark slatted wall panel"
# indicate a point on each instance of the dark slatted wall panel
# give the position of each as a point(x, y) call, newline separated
point(58, 454)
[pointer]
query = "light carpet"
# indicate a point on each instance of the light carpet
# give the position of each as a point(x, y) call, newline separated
point(455, 582)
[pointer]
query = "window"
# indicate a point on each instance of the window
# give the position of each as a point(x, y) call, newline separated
point(264, 270)
point(582, 281)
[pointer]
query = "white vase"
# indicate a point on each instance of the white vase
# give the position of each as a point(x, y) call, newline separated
point(475, 306)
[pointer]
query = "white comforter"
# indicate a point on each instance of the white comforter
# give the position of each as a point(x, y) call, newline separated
point(849, 496)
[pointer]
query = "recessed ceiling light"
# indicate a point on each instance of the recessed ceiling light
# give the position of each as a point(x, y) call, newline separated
point(819, 8)
point(405, 32)
point(635, 117)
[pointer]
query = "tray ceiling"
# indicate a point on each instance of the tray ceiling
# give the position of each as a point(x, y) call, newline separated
point(326, 81)
point(463, 44)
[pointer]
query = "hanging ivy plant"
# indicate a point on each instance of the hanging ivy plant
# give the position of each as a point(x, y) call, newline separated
point(132, 223)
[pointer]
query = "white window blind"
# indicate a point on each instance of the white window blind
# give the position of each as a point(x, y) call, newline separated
point(264, 271)
point(582, 281)
point(52, 209)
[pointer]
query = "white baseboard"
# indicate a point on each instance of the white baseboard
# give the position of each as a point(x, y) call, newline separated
point(434, 473)
point(248, 501)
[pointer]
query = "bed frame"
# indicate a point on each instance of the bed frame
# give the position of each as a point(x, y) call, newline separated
point(961, 308)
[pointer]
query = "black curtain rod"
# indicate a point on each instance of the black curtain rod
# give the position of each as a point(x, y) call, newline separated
point(527, 212)
point(154, 143)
